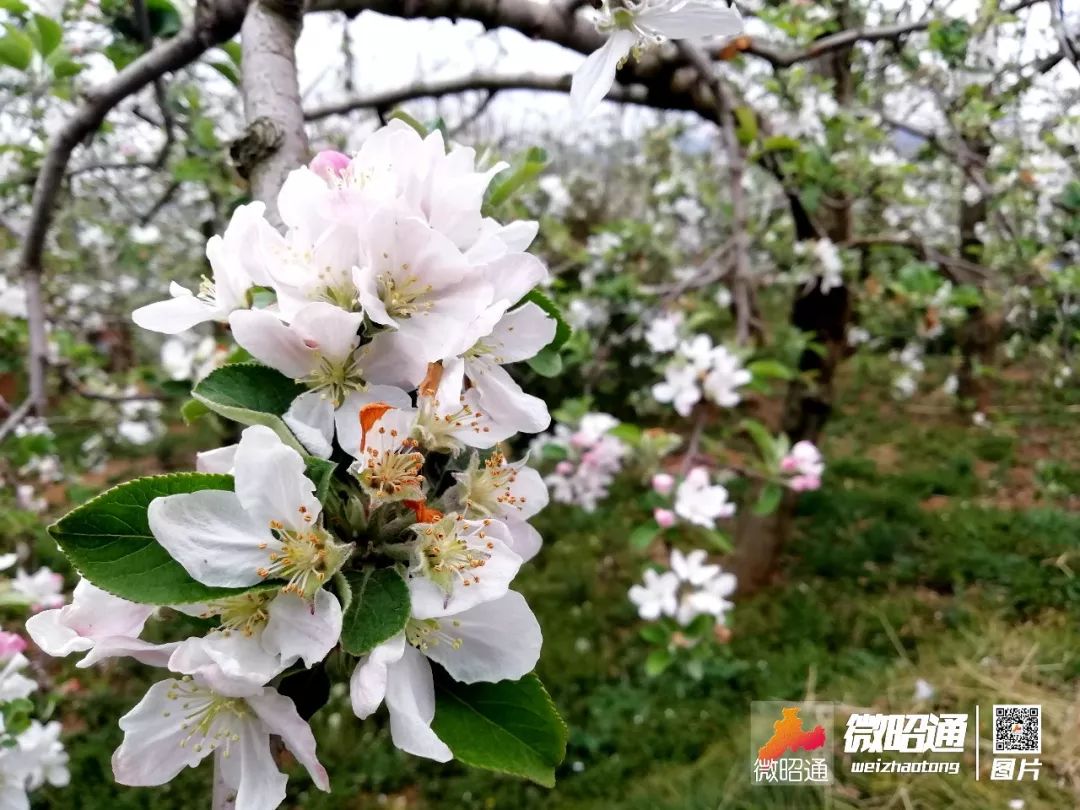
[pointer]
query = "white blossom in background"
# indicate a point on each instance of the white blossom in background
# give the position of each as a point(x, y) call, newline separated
point(700, 502)
point(691, 587)
point(634, 24)
point(832, 268)
point(663, 332)
point(42, 589)
point(698, 369)
point(593, 459)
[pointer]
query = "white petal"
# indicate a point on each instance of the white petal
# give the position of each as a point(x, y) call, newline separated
point(145, 652)
point(272, 342)
point(229, 663)
point(514, 275)
point(347, 417)
point(279, 714)
point(220, 460)
point(151, 753)
point(695, 19)
point(300, 629)
point(367, 686)
point(503, 400)
point(211, 536)
point(251, 771)
point(53, 636)
point(525, 540)
point(594, 78)
point(270, 481)
point(174, 315)
point(311, 419)
point(521, 334)
point(410, 697)
point(500, 640)
point(329, 330)
point(393, 358)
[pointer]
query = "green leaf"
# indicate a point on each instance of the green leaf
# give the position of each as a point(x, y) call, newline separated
point(780, 143)
point(49, 33)
point(747, 126)
point(762, 438)
point(66, 68)
point(251, 394)
point(14, 6)
point(227, 70)
point(548, 363)
point(193, 169)
point(401, 115)
point(765, 369)
point(769, 499)
point(510, 727)
point(109, 541)
point(627, 432)
point(525, 167)
point(657, 661)
point(192, 410)
point(378, 610)
point(563, 330)
point(643, 535)
point(321, 473)
point(16, 49)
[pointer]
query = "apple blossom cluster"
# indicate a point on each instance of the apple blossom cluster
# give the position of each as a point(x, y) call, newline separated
point(698, 370)
point(31, 753)
point(690, 588)
point(697, 501)
point(366, 506)
point(590, 459)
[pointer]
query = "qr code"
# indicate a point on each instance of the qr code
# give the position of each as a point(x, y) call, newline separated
point(1017, 729)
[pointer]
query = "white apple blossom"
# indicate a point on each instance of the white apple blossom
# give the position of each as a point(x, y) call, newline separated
point(725, 376)
point(42, 589)
point(632, 24)
point(680, 388)
point(268, 529)
point(663, 332)
point(594, 459)
point(13, 684)
point(99, 624)
point(42, 756)
point(234, 271)
point(693, 567)
point(805, 466)
point(492, 641)
point(657, 597)
point(709, 598)
point(180, 722)
point(699, 502)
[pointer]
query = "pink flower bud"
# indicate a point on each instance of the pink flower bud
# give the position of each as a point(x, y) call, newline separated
point(663, 484)
point(789, 464)
point(564, 468)
point(329, 164)
point(10, 644)
point(805, 483)
point(665, 518)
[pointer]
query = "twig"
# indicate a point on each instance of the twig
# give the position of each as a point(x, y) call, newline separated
point(142, 21)
point(15, 417)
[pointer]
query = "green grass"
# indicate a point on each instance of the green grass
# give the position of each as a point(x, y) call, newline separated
point(903, 566)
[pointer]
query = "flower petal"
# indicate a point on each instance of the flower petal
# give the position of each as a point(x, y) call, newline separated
point(299, 629)
point(526, 541)
point(249, 769)
point(594, 78)
point(219, 460)
point(174, 315)
point(271, 342)
point(500, 640)
point(151, 753)
point(367, 686)
point(270, 481)
point(329, 330)
point(211, 536)
point(347, 417)
point(311, 419)
point(693, 20)
point(410, 697)
point(279, 715)
point(502, 399)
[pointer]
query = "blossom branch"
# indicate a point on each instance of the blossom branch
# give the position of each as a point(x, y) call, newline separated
point(215, 21)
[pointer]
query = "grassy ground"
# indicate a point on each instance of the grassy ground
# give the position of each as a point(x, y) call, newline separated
point(936, 550)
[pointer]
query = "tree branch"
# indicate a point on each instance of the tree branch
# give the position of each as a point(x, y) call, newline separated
point(489, 83)
point(275, 142)
point(215, 21)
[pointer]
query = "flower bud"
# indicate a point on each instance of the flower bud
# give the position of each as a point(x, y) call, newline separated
point(329, 164)
point(663, 484)
point(665, 518)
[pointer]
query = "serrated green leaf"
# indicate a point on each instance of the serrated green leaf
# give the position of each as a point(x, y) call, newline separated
point(378, 609)
point(563, 330)
point(109, 541)
point(251, 394)
point(548, 363)
point(49, 34)
point(510, 727)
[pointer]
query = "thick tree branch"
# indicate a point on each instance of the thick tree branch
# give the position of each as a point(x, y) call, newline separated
point(214, 22)
point(490, 83)
point(275, 142)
